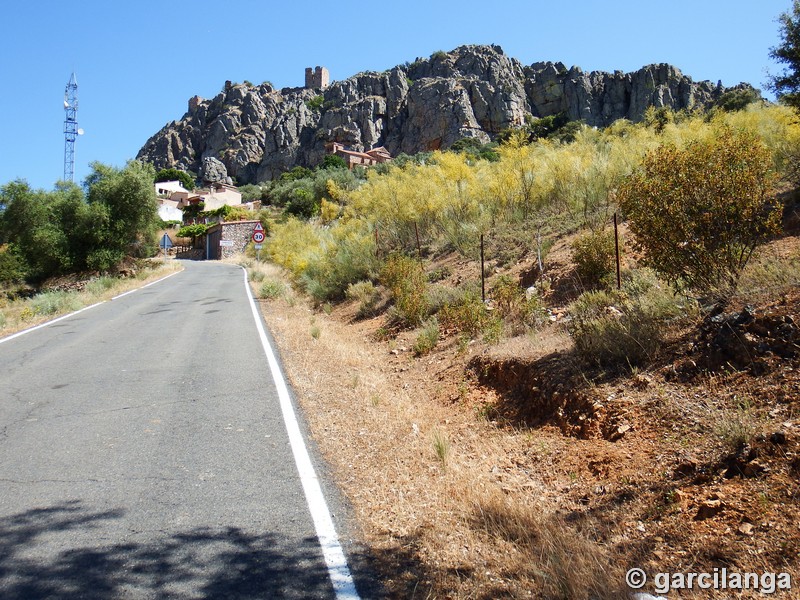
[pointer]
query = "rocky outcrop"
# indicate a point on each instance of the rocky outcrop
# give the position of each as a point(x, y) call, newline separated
point(601, 98)
point(213, 170)
point(258, 132)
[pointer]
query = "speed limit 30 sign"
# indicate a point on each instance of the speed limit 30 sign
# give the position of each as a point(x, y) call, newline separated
point(258, 233)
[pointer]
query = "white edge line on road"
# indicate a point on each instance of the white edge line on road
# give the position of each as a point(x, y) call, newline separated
point(341, 578)
point(72, 314)
point(48, 323)
point(122, 295)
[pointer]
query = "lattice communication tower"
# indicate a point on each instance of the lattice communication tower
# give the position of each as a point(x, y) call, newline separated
point(71, 130)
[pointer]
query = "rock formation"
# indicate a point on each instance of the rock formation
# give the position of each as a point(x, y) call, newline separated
point(258, 132)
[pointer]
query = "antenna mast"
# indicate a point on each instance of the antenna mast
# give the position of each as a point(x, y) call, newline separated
point(71, 130)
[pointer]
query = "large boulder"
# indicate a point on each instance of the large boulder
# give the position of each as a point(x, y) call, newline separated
point(213, 171)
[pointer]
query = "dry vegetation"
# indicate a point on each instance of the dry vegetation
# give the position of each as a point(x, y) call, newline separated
point(544, 446)
point(514, 470)
point(21, 307)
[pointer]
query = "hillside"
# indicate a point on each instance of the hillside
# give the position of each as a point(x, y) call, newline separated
point(569, 427)
point(514, 469)
point(259, 132)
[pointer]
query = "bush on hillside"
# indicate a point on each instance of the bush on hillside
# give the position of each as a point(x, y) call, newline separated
point(699, 212)
point(624, 329)
point(594, 256)
point(405, 279)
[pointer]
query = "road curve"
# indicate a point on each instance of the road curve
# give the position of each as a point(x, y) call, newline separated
point(144, 455)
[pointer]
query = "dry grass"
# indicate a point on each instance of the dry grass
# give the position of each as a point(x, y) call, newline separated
point(563, 560)
point(428, 484)
point(19, 314)
point(457, 500)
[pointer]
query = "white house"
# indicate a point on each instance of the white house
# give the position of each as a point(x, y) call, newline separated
point(168, 211)
point(220, 194)
point(173, 198)
point(165, 189)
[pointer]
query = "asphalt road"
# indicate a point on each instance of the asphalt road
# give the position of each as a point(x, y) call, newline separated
point(143, 454)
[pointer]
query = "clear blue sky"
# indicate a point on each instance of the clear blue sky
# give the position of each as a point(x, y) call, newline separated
point(138, 63)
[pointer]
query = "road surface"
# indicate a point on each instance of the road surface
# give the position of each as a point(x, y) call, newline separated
point(144, 455)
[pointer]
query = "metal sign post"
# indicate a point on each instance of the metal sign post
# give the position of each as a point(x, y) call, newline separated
point(258, 238)
point(166, 244)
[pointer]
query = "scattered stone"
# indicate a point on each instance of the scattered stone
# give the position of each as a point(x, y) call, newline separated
point(708, 509)
point(746, 529)
point(620, 431)
point(642, 381)
point(754, 469)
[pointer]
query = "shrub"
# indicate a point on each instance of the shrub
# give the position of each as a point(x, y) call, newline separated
point(255, 275)
point(699, 213)
point(302, 204)
point(366, 294)
point(271, 289)
point(520, 311)
point(315, 103)
point(102, 284)
point(440, 296)
point(738, 425)
point(50, 303)
point(12, 265)
point(737, 99)
point(594, 256)
point(467, 314)
point(104, 259)
point(346, 255)
point(428, 337)
point(623, 329)
point(405, 278)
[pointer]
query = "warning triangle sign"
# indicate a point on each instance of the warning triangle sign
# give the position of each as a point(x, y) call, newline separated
point(258, 227)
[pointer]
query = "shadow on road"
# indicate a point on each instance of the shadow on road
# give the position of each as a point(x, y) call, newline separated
point(41, 557)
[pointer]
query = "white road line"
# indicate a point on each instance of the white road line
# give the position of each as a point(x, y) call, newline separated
point(48, 323)
point(72, 314)
point(339, 572)
point(122, 295)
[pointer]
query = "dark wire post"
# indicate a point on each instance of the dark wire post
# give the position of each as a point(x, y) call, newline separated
point(483, 275)
point(616, 248)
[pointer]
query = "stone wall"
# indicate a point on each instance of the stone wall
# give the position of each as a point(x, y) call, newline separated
point(238, 232)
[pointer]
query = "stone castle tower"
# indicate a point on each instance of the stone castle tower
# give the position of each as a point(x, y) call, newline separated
point(318, 79)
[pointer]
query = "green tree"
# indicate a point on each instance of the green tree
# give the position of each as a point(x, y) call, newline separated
point(333, 161)
point(699, 212)
point(302, 204)
point(44, 227)
point(738, 99)
point(787, 84)
point(126, 198)
point(13, 268)
point(186, 180)
point(295, 174)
